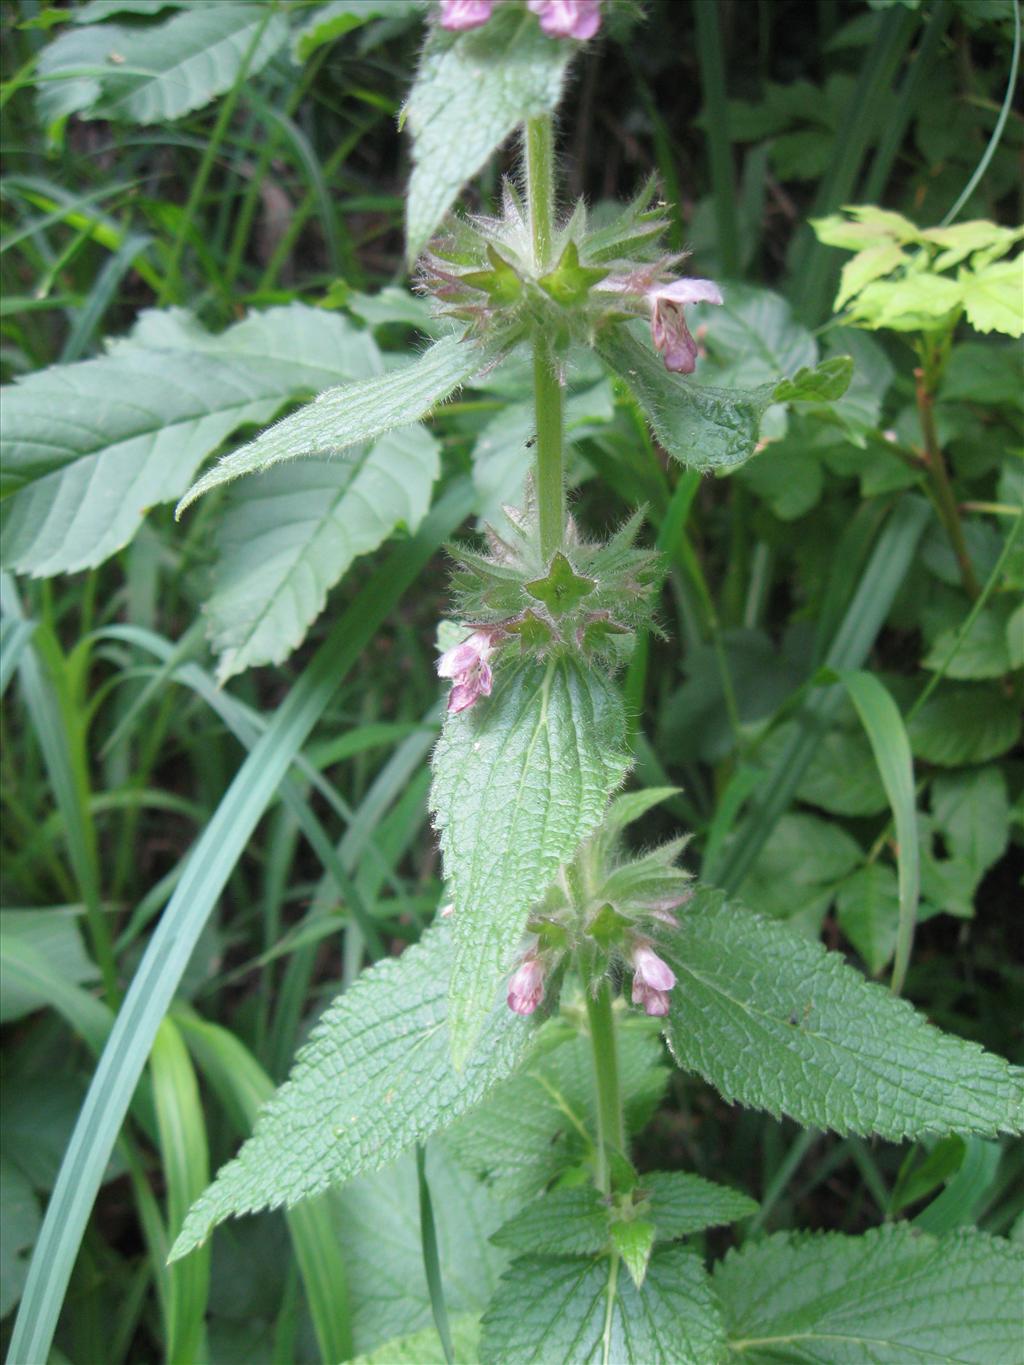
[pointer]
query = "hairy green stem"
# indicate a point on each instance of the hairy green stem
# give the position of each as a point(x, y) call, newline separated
point(538, 141)
point(610, 1134)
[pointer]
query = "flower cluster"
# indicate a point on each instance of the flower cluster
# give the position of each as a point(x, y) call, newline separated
point(579, 19)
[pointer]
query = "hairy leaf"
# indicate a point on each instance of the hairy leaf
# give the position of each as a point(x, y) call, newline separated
point(288, 537)
point(894, 1296)
point(89, 448)
point(548, 1310)
point(704, 427)
point(471, 91)
point(682, 1203)
point(520, 779)
point(775, 1021)
point(375, 1077)
point(352, 414)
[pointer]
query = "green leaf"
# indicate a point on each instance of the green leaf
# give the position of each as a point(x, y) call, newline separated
point(90, 447)
point(842, 777)
point(703, 427)
point(994, 297)
point(166, 71)
point(972, 809)
point(682, 1203)
point(471, 91)
point(352, 414)
point(288, 537)
point(776, 1022)
point(985, 651)
point(868, 910)
point(520, 779)
point(795, 875)
point(569, 1222)
point(965, 724)
point(587, 1312)
point(55, 935)
point(752, 338)
point(562, 589)
point(339, 17)
point(634, 1241)
point(825, 383)
point(892, 1296)
point(424, 1347)
point(542, 1122)
point(19, 1227)
point(351, 1103)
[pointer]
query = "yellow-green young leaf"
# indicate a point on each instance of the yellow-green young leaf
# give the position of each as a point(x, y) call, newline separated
point(869, 224)
point(520, 779)
point(352, 414)
point(288, 537)
point(894, 1296)
point(978, 238)
point(374, 1078)
point(472, 90)
point(776, 1022)
point(704, 427)
point(994, 297)
point(870, 264)
point(589, 1312)
point(914, 303)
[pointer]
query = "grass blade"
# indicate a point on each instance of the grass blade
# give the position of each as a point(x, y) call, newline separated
point(432, 1259)
point(171, 946)
point(856, 634)
point(890, 745)
point(716, 109)
point(243, 1086)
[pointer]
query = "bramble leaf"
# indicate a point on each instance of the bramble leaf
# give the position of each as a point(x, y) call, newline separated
point(895, 1296)
point(520, 779)
point(90, 447)
point(825, 383)
point(375, 1077)
point(776, 1022)
point(584, 1312)
point(352, 414)
point(288, 537)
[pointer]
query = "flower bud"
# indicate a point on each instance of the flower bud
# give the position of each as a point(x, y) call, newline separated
point(466, 664)
point(579, 19)
point(526, 988)
point(458, 15)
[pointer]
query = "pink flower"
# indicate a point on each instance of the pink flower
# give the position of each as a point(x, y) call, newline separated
point(458, 15)
point(652, 980)
point(578, 19)
point(467, 666)
point(526, 989)
point(669, 331)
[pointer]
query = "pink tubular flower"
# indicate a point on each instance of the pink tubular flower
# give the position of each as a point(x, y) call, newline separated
point(669, 331)
point(578, 19)
point(458, 15)
point(526, 989)
point(467, 666)
point(652, 980)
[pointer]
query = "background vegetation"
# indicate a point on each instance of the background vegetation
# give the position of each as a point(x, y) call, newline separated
point(271, 175)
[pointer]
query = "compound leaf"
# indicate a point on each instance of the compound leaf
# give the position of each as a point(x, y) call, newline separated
point(290, 536)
